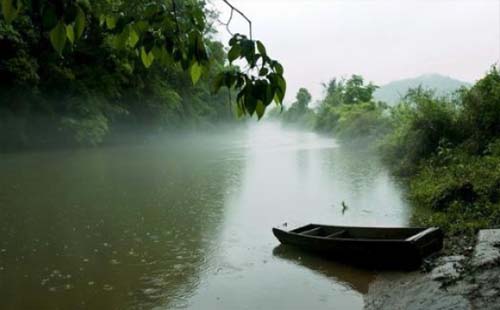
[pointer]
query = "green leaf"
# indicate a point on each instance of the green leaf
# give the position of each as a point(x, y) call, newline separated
point(249, 100)
point(133, 38)
point(9, 11)
point(120, 41)
point(282, 84)
point(70, 33)
point(250, 104)
point(279, 68)
point(195, 71)
point(58, 37)
point(234, 53)
point(79, 23)
point(260, 109)
point(268, 94)
point(263, 71)
point(261, 48)
point(110, 22)
point(248, 51)
point(278, 84)
point(147, 58)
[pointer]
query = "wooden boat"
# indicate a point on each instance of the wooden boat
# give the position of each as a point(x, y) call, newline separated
point(368, 246)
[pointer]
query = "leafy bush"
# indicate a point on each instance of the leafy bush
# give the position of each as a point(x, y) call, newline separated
point(462, 178)
point(462, 190)
point(420, 124)
point(361, 120)
point(450, 149)
point(348, 110)
point(326, 118)
point(459, 218)
point(481, 111)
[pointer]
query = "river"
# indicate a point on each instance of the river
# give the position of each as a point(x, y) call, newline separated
point(184, 222)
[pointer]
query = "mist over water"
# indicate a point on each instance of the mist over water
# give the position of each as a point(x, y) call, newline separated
point(184, 222)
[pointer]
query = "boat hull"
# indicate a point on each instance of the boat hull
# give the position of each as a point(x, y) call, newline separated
point(372, 247)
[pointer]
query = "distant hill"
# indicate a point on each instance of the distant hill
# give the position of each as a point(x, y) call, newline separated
point(443, 85)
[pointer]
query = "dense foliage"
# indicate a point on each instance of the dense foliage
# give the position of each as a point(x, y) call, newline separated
point(73, 71)
point(420, 124)
point(348, 109)
point(456, 171)
point(446, 148)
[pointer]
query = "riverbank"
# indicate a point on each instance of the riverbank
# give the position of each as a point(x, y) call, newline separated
point(467, 281)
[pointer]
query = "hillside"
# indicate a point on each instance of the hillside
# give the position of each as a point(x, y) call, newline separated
point(392, 92)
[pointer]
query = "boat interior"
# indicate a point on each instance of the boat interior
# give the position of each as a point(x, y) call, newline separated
point(357, 232)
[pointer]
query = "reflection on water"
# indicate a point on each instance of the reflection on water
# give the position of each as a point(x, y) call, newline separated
point(185, 222)
point(353, 278)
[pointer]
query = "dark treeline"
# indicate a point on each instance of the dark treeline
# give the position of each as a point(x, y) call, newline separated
point(94, 89)
point(446, 148)
point(75, 72)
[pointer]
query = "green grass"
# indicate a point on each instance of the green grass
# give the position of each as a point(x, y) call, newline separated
point(459, 193)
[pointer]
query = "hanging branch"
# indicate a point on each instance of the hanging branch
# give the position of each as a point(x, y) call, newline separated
point(234, 9)
point(261, 83)
point(228, 23)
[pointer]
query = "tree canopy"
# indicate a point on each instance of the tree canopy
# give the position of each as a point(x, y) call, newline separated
point(83, 64)
point(303, 98)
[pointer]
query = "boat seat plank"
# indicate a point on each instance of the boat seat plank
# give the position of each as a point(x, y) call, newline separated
point(336, 234)
point(420, 235)
point(311, 232)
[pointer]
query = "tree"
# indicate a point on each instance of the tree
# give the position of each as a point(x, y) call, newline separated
point(303, 99)
point(71, 71)
point(346, 99)
point(157, 31)
point(356, 91)
point(481, 110)
point(299, 114)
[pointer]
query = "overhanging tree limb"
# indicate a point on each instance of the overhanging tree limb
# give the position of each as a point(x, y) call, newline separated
point(228, 23)
point(234, 9)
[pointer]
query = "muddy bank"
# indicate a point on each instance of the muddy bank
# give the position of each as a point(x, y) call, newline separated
point(470, 281)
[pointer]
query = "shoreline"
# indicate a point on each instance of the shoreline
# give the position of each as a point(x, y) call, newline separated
point(465, 281)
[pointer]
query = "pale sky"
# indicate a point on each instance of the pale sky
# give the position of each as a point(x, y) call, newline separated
point(383, 40)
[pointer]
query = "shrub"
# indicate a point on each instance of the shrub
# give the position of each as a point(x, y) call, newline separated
point(361, 120)
point(461, 187)
point(419, 125)
point(481, 111)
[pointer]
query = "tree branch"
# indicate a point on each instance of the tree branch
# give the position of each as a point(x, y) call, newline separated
point(233, 8)
point(228, 22)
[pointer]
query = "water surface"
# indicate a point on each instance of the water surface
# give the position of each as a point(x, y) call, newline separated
point(184, 222)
